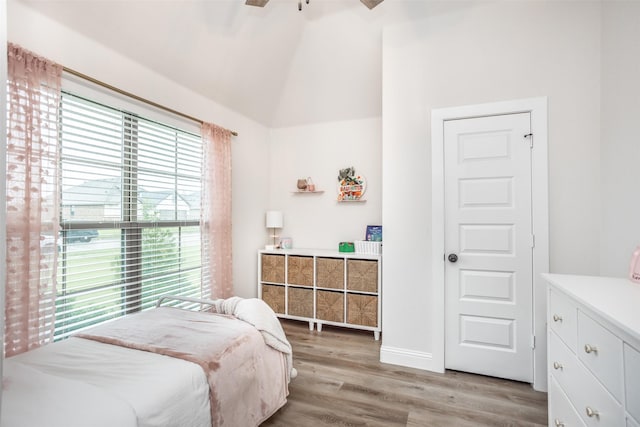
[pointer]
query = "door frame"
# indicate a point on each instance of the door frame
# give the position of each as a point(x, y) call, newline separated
point(537, 107)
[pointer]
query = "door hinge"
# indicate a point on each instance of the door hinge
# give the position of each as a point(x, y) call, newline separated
point(533, 241)
point(533, 341)
point(529, 136)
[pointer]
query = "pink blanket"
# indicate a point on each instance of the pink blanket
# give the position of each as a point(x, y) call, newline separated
point(247, 379)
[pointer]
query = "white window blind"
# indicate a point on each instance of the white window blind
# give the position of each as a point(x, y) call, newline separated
point(130, 214)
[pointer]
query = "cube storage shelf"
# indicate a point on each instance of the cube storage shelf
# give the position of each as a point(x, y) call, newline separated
point(322, 287)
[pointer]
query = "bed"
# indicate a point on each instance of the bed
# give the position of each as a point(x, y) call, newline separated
point(227, 366)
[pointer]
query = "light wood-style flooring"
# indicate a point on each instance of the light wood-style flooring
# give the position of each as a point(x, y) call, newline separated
point(341, 382)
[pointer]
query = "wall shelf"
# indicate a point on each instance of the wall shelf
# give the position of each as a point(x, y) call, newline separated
point(308, 192)
point(352, 201)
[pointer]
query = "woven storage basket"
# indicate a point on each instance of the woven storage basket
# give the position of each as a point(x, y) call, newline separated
point(273, 268)
point(362, 275)
point(330, 273)
point(362, 310)
point(300, 302)
point(273, 295)
point(300, 270)
point(330, 306)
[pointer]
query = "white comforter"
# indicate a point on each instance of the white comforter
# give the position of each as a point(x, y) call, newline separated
point(31, 398)
point(257, 313)
point(79, 383)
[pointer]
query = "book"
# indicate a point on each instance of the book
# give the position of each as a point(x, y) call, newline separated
point(374, 233)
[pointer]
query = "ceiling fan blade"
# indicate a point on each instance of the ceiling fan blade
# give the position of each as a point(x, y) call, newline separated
point(370, 3)
point(259, 3)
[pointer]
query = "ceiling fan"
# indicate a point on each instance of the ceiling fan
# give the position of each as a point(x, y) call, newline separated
point(260, 3)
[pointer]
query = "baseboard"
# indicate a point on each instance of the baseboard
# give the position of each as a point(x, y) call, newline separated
point(407, 358)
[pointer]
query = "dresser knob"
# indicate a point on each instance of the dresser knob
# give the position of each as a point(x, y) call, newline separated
point(558, 423)
point(592, 413)
point(557, 318)
point(557, 366)
point(588, 348)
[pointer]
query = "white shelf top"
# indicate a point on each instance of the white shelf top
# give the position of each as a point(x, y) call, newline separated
point(321, 253)
point(615, 299)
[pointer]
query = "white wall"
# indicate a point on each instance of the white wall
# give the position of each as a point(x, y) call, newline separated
point(335, 70)
point(59, 43)
point(320, 151)
point(620, 146)
point(485, 53)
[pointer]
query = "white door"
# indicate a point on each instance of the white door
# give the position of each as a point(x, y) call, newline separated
point(488, 245)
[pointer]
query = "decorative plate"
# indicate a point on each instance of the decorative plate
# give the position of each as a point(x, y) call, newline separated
point(351, 188)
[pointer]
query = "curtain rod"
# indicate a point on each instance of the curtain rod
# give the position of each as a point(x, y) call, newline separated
point(136, 97)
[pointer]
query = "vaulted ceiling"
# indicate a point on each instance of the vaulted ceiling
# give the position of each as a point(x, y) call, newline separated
point(276, 65)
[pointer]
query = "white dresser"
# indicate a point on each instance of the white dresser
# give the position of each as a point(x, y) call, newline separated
point(593, 331)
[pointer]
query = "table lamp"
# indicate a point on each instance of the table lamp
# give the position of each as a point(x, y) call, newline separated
point(275, 219)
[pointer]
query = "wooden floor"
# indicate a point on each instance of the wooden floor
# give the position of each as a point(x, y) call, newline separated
point(341, 382)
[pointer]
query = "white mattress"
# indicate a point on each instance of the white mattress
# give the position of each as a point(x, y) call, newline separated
point(115, 384)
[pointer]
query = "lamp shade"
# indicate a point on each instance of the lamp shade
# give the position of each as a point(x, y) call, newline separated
point(275, 219)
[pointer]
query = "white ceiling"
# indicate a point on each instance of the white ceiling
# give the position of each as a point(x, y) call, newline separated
point(276, 65)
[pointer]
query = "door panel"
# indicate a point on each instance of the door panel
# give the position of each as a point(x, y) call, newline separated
point(488, 226)
point(486, 192)
point(477, 239)
point(487, 332)
point(495, 286)
point(483, 146)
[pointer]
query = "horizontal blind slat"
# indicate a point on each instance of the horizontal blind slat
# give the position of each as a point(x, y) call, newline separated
point(138, 183)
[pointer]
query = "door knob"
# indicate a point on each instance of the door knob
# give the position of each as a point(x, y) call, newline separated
point(452, 257)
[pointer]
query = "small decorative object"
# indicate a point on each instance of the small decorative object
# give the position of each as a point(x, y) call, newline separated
point(286, 243)
point(302, 184)
point(346, 247)
point(634, 267)
point(374, 233)
point(310, 185)
point(274, 219)
point(351, 187)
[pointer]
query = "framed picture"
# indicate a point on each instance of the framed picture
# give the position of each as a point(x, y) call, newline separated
point(374, 233)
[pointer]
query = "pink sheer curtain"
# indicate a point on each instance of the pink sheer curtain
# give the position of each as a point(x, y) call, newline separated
point(32, 199)
point(215, 223)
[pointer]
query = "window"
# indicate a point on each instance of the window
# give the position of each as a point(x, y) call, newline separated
point(130, 213)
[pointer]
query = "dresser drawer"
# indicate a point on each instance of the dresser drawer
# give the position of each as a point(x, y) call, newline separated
point(563, 318)
point(581, 387)
point(594, 403)
point(561, 411)
point(632, 380)
point(601, 352)
point(563, 365)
